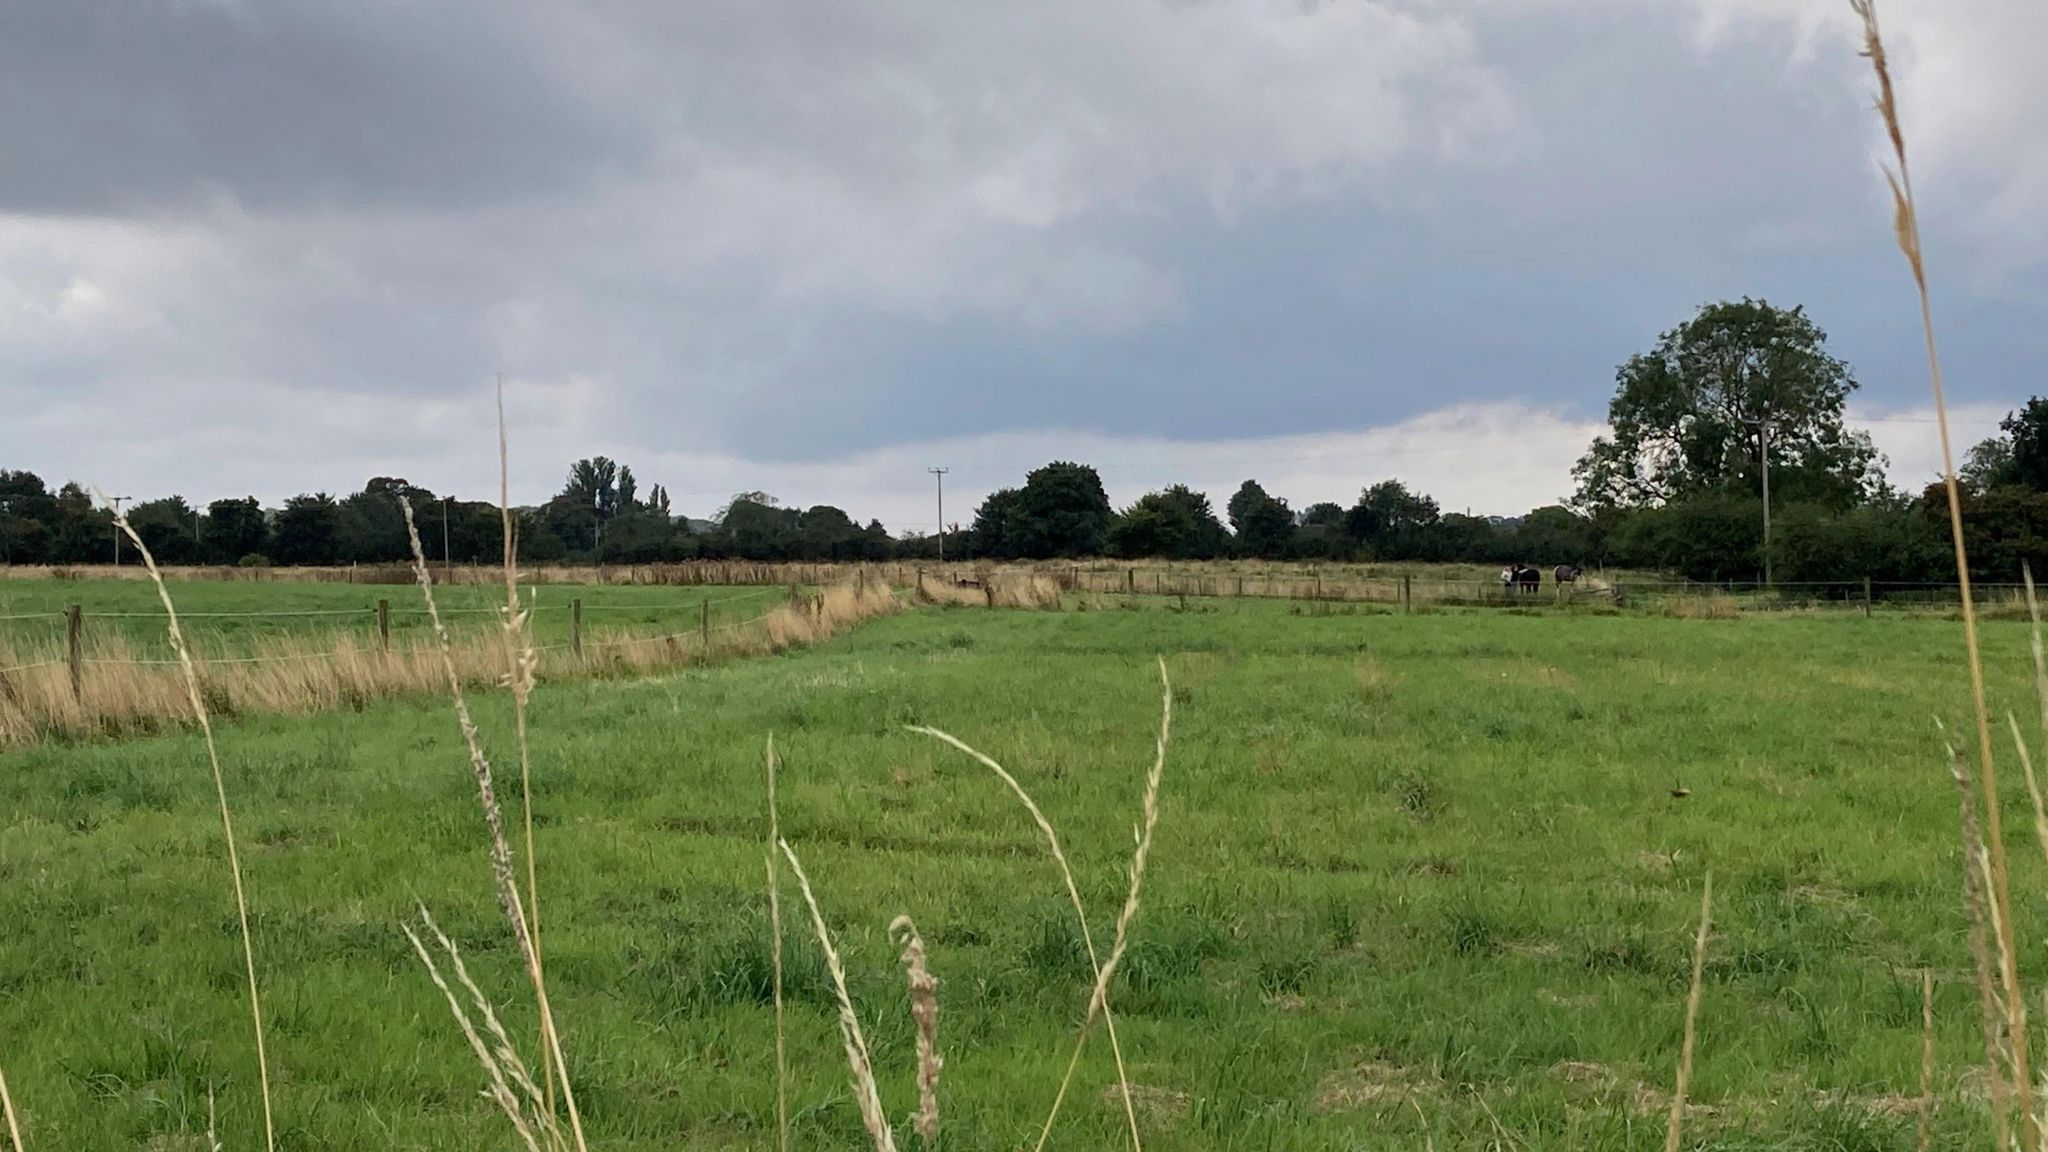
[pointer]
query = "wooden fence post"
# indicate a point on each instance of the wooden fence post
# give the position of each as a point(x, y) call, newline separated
point(704, 622)
point(1240, 586)
point(384, 624)
point(74, 634)
point(576, 627)
point(1866, 597)
point(1130, 581)
point(1407, 593)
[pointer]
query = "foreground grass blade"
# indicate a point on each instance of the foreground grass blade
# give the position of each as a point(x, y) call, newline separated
point(1906, 228)
point(775, 948)
point(862, 1065)
point(13, 1123)
point(1675, 1126)
point(227, 822)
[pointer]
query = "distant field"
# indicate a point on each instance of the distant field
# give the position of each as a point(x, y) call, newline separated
point(1430, 858)
point(232, 617)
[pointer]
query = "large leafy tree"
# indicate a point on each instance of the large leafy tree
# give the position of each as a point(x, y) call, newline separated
point(28, 514)
point(308, 530)
point(1177, 523)
point(1989, 465)
point(992, 534)
point(1393, 521)
point(755, 526)
point(1061, 511)
point(1262, 522)
point(1694, 414)
point(234, 529)
point(170, 527)
point(373, 524)
point(2026, 431)
point(84, 530)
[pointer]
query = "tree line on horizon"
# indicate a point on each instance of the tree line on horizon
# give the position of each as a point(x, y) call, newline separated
point(1676, 485)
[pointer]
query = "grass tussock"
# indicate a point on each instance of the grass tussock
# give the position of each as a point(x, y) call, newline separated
point(124, 689)
point(1712, 606)
point(996, 588)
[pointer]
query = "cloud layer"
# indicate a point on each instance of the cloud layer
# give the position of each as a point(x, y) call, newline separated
point(283, 246)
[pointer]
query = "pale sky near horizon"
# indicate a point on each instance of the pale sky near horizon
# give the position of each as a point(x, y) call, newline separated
point(263, 248)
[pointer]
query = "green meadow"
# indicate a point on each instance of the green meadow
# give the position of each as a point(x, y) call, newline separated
point(236, 617)
point(1418, 880)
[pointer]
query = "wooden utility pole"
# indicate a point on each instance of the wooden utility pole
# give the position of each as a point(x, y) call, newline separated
point(940, 475)
point(117, 501)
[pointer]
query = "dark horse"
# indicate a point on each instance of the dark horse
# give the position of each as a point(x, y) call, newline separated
point(1527, 579)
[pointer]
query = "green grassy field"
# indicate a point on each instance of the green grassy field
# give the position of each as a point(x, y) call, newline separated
point(230, 618)
point(1430, 858)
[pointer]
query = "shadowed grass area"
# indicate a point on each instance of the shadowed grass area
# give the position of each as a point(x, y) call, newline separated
point(1432, 858)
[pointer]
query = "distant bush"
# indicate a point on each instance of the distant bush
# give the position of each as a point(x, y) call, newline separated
point(254, 560)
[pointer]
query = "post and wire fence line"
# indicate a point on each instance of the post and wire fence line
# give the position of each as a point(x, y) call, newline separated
point(93, 672)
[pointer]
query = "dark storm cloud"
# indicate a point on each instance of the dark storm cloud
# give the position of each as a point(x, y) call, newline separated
point(139, 106)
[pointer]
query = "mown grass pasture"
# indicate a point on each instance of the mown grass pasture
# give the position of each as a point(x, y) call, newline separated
point(1414, 874)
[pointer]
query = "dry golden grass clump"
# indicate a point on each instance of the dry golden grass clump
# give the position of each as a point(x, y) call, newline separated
point(125, 690)
point(993, 588)
point(1711, 606)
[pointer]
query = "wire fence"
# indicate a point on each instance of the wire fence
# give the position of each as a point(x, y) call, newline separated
point(108, 682)
point(82, 644)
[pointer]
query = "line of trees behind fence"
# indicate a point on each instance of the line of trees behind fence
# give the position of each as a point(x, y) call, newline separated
point(1741, 397)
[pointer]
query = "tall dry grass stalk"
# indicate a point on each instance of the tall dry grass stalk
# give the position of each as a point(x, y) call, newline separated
point(1926, 1103)
point(924, 1011)
point(502, 875)
point(1906, 232)
point(1059, 856)
point(1098, 1000)
point(195, 698)
point(775, 949)
point(521, 662)
point(13, 1121)
point(1675, 1126)
point(532, 1118)
point(1991, 1009)
point(866, 1095)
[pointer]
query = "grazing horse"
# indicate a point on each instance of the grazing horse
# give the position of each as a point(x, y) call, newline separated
point(1527, 579)
point(1567, 574)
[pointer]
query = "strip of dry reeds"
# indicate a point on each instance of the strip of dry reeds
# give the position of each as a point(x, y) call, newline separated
point(124, 690)
point(1000, 588)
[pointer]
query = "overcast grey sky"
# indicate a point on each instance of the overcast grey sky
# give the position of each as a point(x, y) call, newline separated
point(269, 246)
